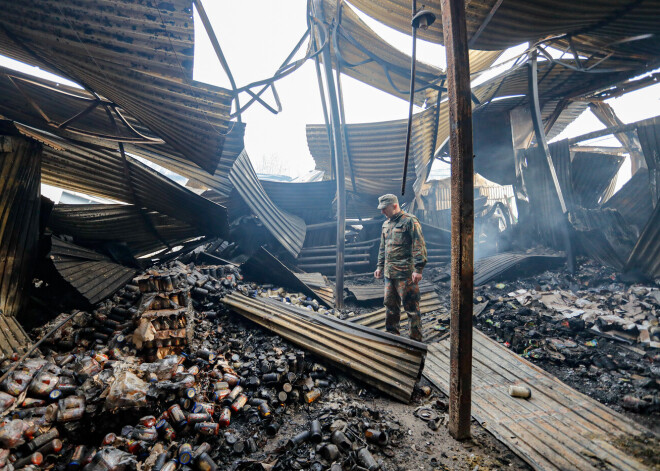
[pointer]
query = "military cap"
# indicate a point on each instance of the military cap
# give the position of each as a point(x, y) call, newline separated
point(386, 200)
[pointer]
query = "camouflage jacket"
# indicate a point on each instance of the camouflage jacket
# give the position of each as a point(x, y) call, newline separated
point(402, 246)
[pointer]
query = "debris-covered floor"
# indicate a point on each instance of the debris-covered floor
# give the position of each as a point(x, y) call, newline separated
point(144, 381)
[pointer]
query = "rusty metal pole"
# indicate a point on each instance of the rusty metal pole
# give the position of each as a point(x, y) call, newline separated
point(339, 163)
point(462, 216)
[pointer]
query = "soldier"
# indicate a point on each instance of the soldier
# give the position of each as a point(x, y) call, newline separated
point(401, 258)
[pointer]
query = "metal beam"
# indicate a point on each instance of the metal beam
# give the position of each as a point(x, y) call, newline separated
point(218, 51)
point(608, 117)
point(462, 216)
point(339, 162)
point(603, 132)
point(541, 141)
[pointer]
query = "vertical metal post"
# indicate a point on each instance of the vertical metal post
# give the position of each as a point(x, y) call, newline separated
point(339, 163)
point(462, 216)
point(541, 141)
point(413, 63)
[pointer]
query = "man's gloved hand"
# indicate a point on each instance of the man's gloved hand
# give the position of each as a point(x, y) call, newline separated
point(416, 277)
point(378, 273)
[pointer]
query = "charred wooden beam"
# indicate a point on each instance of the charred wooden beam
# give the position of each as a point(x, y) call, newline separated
point(462, 216)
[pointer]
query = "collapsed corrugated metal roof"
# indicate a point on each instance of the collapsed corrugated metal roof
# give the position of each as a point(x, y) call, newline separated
point(649, 138)
point(136, 54)
point(93, 275)
point(365, 56)
point(101, 172)
point(48, 105)
point(289, 230)
point(633, 200)
point(645, 256)
point(376, 152)
point(592, 26)
point(311, 201)
point(97, 224)
point(167, 157)
point(20, 161)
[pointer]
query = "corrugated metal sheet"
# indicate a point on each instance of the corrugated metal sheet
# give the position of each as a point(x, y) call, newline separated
point(388, 362)
point(592, 175)
point(633, 200)
point(592, 23)
point(358, 257)
point(289, 230)
point(545, 215)
point(512, 265)
point(97, 224)
point(377, 150)
point(649, 138)
point(555, 82)
point(375, 291)
point(137, 54)
point(20, 203)
point(167, 157)
point(557, 429)
point(365, 56)
point(100, 172)
point(94, 276)
point(603, 235)
point(49, 105)
point(646, 254)
point(59, 103)
point(263, 267)
point(323, 288)
point(310, 201)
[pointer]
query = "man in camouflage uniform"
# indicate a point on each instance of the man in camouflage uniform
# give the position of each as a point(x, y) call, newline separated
point(401, 258)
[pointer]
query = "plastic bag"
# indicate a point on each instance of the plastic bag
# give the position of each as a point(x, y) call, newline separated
point(164, 369)
point(110, 459)
point(11, 433)
point(127, 391)
point(6, 401)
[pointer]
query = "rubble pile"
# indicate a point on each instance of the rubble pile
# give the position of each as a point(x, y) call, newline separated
point(593, 331)
point(159, 378)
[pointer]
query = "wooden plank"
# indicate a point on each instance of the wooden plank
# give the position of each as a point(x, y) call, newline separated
point(558, 428)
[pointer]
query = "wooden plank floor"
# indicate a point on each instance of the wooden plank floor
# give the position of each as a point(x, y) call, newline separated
point(558, 428)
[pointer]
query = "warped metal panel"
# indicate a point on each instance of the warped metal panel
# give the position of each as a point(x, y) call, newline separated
point(167, 157)
point(592, 175)
point(323, 288)
point(365, 56)
point(264, 267)
point(20, 203)
point(62, 109)
point(498, 25)
point(375, 291)
point(137, 54)
point(93, 275)
point(311, 201)
point(633, 200)
point(556, 429)
point(603, 235)
point(649, 138)
point(377, 149)
point(546, 217)
point(289, 230)
point(388, 362)
point(94, 224)
point(645, 256)
point(506, 265)
point(101, 172)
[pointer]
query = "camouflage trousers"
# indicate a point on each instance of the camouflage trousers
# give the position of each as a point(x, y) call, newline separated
point(397, 290)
